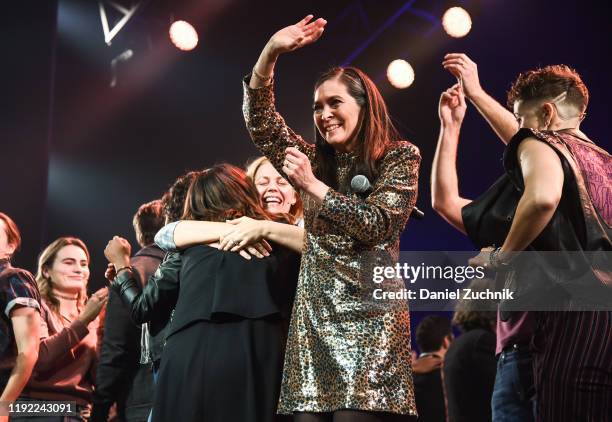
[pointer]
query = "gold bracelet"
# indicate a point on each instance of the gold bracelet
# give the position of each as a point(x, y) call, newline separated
point(262, 78)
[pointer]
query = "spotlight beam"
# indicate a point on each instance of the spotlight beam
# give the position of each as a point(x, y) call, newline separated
point(407, 6)
point(109, 34)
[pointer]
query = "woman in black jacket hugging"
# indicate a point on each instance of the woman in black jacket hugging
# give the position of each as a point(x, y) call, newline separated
point(224, 351)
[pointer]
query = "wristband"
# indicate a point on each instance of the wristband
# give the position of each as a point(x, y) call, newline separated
point(127, 267)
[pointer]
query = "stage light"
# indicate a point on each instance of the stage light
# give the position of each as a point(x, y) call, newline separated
point(400, 74)
point(183, 35)
point(457, 22)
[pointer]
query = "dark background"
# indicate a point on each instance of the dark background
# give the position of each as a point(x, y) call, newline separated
point(79, 157)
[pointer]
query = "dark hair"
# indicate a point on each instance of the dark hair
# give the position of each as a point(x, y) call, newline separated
point(549, 82)
point(13, 235)
point(431, 331)
point(223, 192)
point(147, 221)
point(173, 201)
point(476, 313)
point(374, 133)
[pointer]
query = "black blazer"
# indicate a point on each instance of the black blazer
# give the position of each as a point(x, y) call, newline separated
point(213, 284)
point(216, 285)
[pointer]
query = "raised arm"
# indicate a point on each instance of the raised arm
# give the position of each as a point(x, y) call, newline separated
point(287, 39)
point(267, 128)
point(158, 297)
point(501, 120)
point(445, 198)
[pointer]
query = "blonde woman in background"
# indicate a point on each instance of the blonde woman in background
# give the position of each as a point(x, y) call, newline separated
point(275, 192)
point(65, 369)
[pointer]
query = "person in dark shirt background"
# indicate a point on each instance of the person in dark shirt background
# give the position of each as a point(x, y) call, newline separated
point(121, 378)
point(433, 336)
point(20, 320)
point(469, 364)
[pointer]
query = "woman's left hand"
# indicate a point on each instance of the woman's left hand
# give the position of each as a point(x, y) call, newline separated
point(247, 234)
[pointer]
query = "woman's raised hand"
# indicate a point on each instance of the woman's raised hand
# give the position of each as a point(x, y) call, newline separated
point(296, 36)
point(452, 106)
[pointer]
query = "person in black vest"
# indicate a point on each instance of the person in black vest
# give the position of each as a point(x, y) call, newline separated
point(564, 182)
point(120, 377)
point(433, 336)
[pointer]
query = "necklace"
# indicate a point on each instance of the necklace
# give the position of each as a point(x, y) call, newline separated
point(66, 297)
point(70, 316)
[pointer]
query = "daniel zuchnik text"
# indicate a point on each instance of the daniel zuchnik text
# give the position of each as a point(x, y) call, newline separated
point(466, 294)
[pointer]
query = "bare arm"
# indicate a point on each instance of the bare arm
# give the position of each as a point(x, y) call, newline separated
point(26, 326)
point(445, 198)
point(189, 232)
point(287, 235)
point(247, 230)
point(186, 233)
point(543, 177)
point(501, 120)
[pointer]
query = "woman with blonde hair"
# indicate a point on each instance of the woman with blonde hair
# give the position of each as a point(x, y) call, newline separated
point(246, 235)
point(69, 323)
point(275, 192)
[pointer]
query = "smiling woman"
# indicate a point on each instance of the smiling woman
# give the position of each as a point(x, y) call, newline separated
point(275, 192)
point(69, 325)
point(337, 113)
point(348, 355)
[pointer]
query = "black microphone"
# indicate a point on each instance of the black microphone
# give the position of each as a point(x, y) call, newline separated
point(361, 184)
